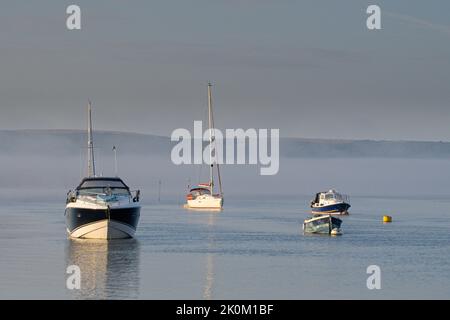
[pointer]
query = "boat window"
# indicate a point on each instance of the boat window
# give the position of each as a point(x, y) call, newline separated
point(94, 184)
point(318, 222)
point(329, 196)
point(200, 191)
point(104, 191)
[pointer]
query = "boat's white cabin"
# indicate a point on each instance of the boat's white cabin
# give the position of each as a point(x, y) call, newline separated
point(330, 197)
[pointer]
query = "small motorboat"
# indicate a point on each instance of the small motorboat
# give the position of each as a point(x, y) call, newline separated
point(330, 202)
point(323, 224)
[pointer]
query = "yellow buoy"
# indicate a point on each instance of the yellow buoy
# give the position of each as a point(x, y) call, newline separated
point(387, 219)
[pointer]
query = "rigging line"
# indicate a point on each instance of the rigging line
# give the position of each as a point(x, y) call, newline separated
point(199, 173)
point(82, 157)
point(200, 167)
point(217, 166)
point(211, 139)
point(215, 151)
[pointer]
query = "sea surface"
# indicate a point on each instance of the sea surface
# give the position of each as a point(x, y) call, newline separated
point(253, 249)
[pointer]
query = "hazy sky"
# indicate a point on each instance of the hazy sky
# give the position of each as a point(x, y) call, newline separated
point(310, 68)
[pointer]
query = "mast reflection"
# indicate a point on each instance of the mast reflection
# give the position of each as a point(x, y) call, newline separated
point(209, 275)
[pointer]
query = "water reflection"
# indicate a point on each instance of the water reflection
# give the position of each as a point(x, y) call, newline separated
point(209, 278)
point(109, 269)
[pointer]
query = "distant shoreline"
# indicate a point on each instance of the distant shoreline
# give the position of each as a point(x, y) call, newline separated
point(309, 139)
point(69, 141)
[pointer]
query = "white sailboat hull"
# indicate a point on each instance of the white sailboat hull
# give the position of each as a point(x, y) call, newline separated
point(205, 202)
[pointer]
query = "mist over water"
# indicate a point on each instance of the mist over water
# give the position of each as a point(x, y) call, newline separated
point(56, 159)
point(48, 177)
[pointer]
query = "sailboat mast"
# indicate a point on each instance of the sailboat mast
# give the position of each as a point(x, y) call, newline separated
point(211, 139)
point(91, 158)
point(215, 150)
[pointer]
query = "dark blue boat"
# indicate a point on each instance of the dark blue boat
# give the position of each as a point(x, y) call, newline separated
point(330, 202)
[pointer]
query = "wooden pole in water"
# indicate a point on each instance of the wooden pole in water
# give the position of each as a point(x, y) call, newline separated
point(159, 190)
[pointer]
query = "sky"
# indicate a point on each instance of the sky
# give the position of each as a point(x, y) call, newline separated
point(310, 68)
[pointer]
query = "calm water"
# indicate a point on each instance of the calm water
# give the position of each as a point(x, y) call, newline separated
point(254, 249)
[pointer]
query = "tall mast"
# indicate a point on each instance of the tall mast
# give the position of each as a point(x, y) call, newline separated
point(91, 159)
point(211, 139)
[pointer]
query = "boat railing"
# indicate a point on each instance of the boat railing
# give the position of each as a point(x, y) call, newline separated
point(335, 197)
point(137, 195)
point(71, 196)
point(342, 197)
point(346, 198)
point(95, 197)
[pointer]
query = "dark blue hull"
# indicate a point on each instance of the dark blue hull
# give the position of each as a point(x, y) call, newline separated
point(333, 208)
point(79, 217)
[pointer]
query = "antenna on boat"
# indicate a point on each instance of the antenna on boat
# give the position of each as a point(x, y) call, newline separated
point(91, 158)
point(115, 161)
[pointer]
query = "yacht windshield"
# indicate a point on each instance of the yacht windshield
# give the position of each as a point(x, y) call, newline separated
point(329, 196)
point(108, 187)
point(88, 184)
point(335, 196)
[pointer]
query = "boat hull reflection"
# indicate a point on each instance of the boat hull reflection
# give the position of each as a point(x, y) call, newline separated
point(109, 269)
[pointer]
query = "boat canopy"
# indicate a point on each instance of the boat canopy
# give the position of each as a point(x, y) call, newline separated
point(95, 183)
point(200, 189)
point(332, 194)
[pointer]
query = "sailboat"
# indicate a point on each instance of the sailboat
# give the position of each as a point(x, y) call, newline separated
point(101, 207)
point(202, 196)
